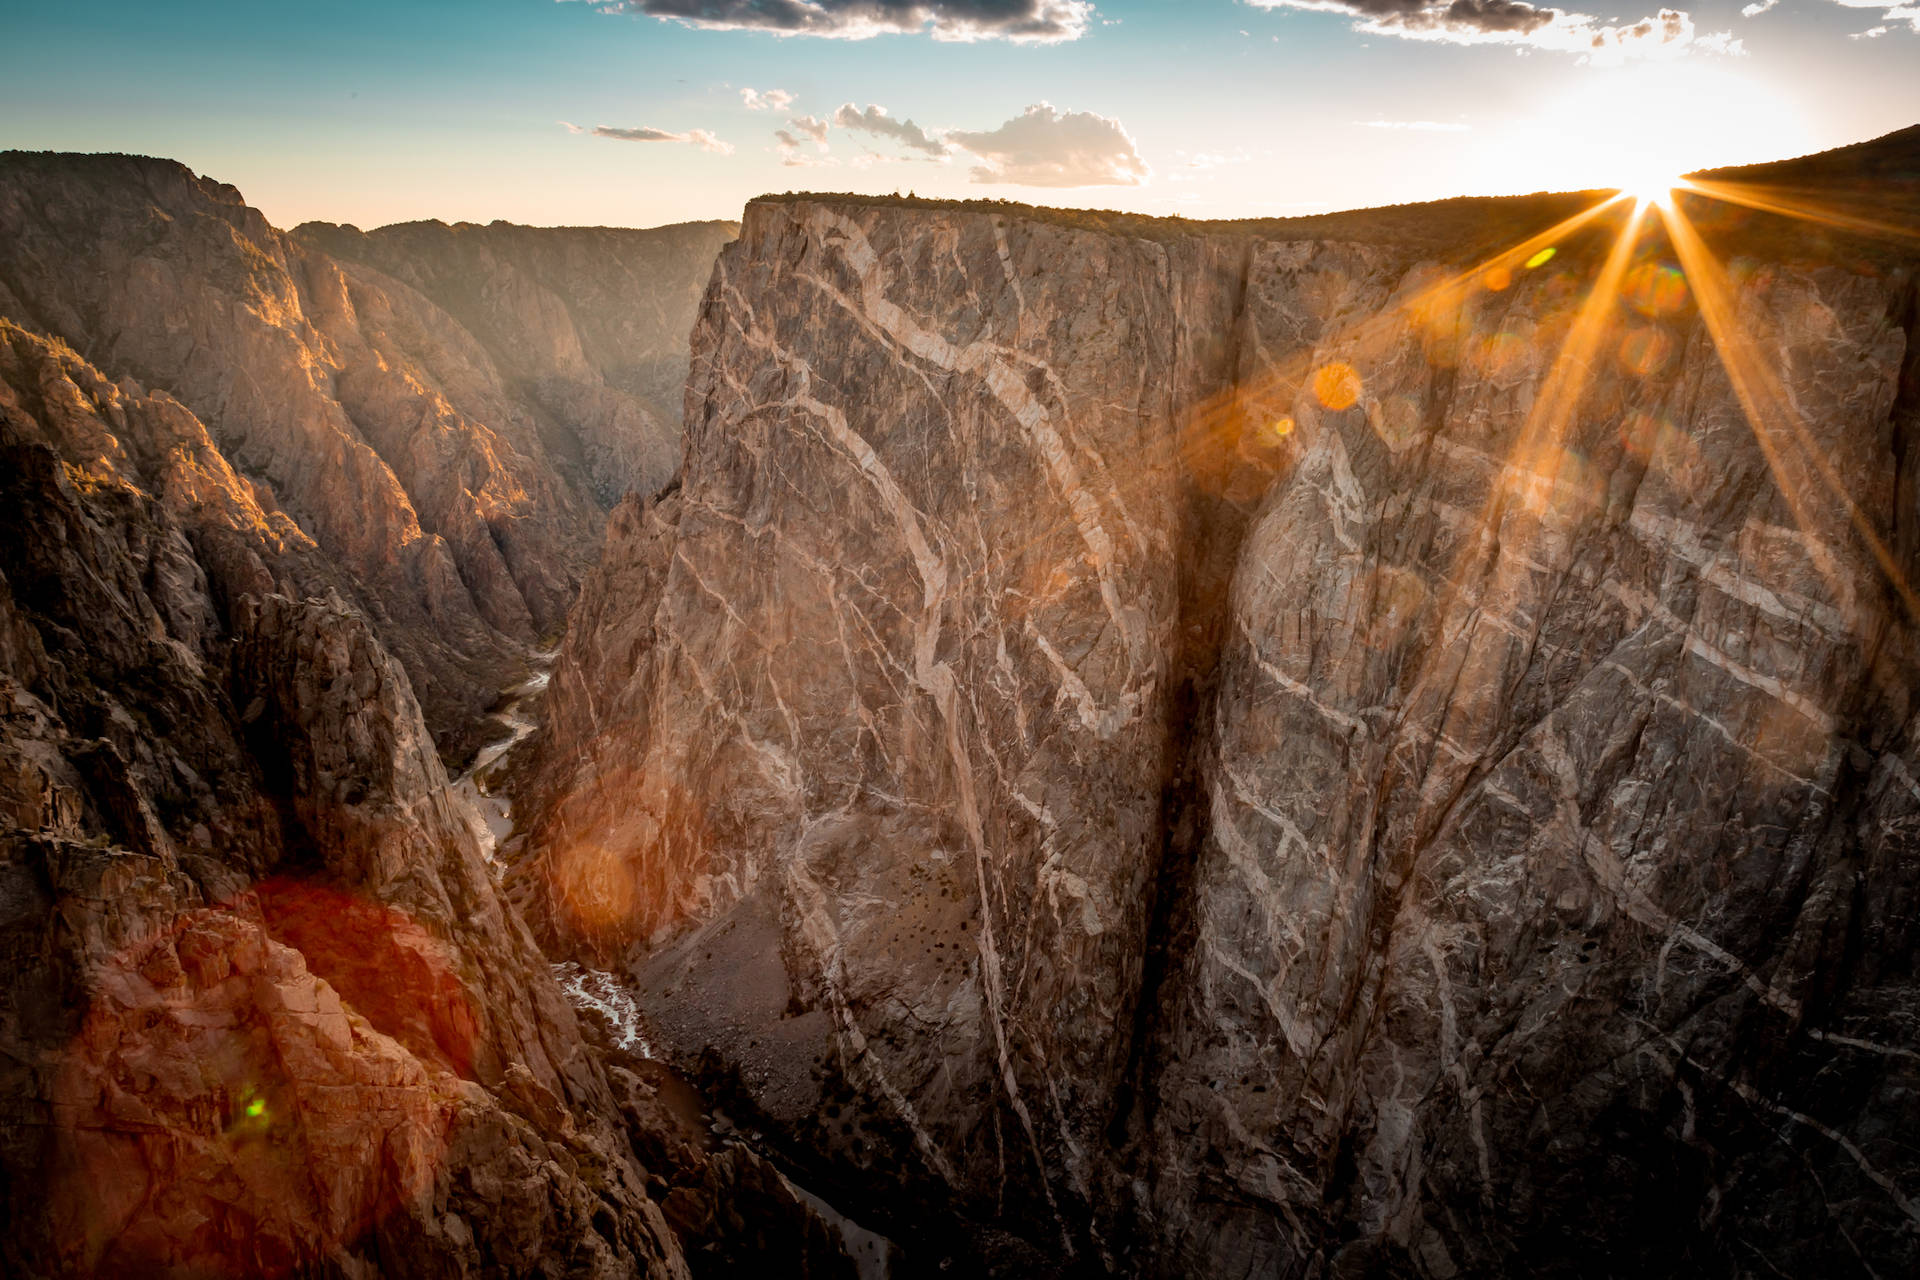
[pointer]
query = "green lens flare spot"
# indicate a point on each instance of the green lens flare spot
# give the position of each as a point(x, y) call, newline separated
point(1541, 258)
point(256, 1109)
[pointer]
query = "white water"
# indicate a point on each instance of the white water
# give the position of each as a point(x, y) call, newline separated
point(596, 990)
point(606, 995)
point(490, 815)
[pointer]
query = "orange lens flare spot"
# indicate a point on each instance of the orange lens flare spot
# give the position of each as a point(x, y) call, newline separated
point(1541, 258)
point(1656, 289)
point(1642, 433)
point(1645, 350)
point(1283, 427)
point(1496, 278)
point(1336, 386)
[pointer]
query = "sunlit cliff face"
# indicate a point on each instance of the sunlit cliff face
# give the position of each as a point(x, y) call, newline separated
point(1658, 264)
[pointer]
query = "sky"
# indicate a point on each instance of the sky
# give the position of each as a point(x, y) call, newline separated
point(643, 112)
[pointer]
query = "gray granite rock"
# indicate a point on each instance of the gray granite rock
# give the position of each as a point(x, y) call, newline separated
point(1205, 752)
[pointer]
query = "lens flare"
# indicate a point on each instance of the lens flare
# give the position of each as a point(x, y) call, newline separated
point(1336, 385)
point(1655, 289)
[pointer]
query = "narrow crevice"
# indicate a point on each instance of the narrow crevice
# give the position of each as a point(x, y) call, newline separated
point(1211, 530)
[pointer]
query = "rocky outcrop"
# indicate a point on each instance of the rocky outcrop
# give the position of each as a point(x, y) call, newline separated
point(1228, 754)
point(588, 325)
point(263, 1011)
point(454, 482)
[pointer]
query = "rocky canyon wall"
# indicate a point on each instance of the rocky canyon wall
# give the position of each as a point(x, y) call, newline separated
point(457, 478)
point(277, 531)
point(263, 1010)
point(586, 325)
point(1229, 754)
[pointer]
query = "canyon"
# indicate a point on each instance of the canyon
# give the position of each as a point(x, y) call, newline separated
point(1374, 744)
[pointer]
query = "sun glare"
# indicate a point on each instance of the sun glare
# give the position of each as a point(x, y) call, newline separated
point(1654, 188)
point(1636, 127)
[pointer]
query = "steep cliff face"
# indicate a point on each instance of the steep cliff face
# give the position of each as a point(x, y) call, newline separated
point(264, 1012)
point(586, 324)
point(1232, 755)
point(457, 497)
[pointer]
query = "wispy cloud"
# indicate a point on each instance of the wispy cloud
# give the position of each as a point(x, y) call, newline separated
point(875, 120)
point(1891, 16)
point(771, 100)
point(793, 153)
point(1417, 126)
point(1025, 21)
point(695, 137)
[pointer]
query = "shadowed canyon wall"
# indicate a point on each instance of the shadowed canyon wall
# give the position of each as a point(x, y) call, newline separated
point(457, 478)
point(272, 526)
point(1237, 755)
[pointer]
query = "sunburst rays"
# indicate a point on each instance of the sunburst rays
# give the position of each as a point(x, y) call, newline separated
point(1800, 467)
point(1331, 370)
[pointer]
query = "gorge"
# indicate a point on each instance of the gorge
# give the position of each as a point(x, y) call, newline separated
point(1375, 744)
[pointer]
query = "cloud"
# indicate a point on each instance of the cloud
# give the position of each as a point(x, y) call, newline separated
point(1418, 126)
point(1757, 8)
point(1454, 21)
point(1046, 147)
point(696, 137)
point(812, 127)
point(1026, 21)
point(793, 154)
point(1892, 14)
point(1670, 33)
point(875, 120)
point(771, 100)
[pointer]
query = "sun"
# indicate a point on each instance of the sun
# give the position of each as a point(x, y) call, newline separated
point(1635, 127)
point(1655, 187)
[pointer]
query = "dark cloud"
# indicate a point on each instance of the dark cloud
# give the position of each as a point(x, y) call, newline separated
point(1668, 33)
point(875, 120)
point(1041, 21)
point(1496, 15)
point(1046, 147)
point(1465, 18)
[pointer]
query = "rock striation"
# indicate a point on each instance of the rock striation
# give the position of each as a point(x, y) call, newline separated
point(1220, 752)
point(456, 480)
point(586, 325)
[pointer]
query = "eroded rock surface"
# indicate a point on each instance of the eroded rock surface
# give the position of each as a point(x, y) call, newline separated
point(263, 1011)
point(456, 479)
point(587, 324)
point(1227, 755)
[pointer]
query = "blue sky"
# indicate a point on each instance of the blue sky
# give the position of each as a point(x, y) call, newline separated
point(378, 112)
